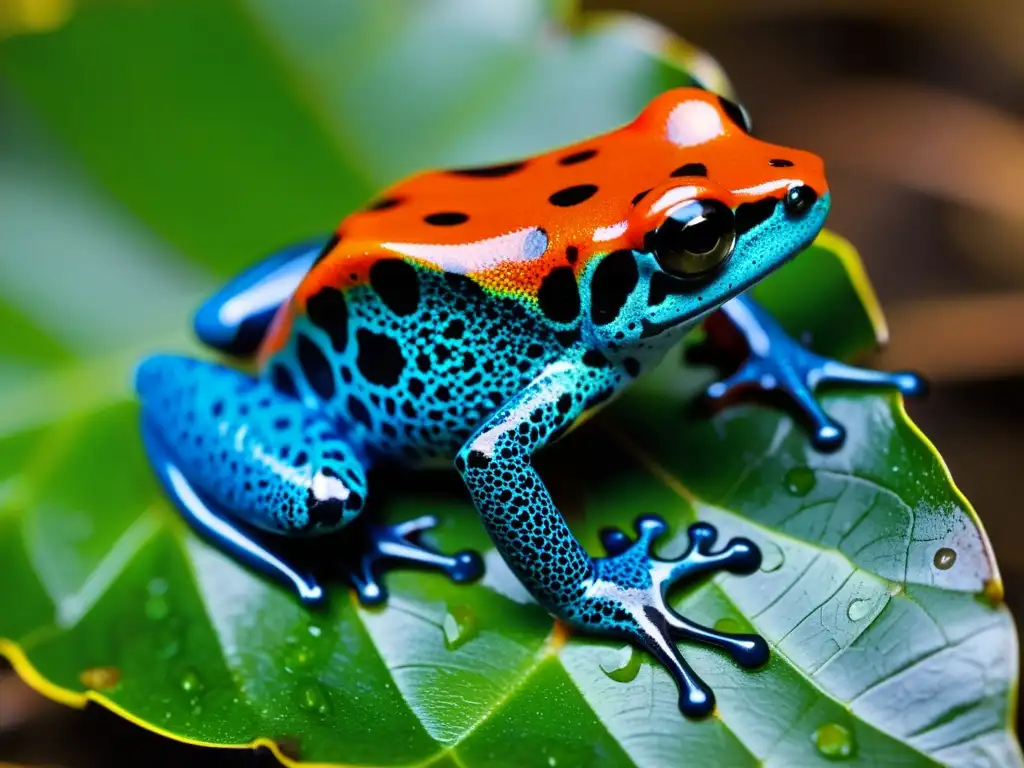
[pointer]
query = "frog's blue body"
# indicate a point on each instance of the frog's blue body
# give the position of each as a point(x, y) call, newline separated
point(421, 359)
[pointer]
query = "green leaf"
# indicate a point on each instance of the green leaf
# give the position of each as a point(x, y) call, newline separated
point(151, 149)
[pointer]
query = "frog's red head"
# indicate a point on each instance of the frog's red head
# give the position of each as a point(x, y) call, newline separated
point(716, 133)
point(736, 186)
point(694, 219)
point(731, 211)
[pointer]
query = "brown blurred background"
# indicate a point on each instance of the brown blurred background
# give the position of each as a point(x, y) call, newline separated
point(917, 107)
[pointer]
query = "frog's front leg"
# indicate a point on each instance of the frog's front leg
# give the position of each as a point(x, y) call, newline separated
point(235, 319)
point(622, 594)
point(251, 467)
point(778, 363)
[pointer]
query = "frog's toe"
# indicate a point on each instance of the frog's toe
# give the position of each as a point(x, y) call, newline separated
point(627, 598)
point(796, 373)
point(391, 547)
point(614, 540)
point(833, 371)
point(748, 650)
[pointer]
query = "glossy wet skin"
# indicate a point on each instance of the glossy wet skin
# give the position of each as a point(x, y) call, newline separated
point(473, 316)
point(454, 289)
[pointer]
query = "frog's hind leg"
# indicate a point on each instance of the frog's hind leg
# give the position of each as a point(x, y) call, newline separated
point(236, 318)
point(777, 363)
point(253, 469)
point(209, 520)
point(236, 455)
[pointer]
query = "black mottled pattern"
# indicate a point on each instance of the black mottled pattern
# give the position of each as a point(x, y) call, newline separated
point(559, 295)
point(570, 196)
point(577, 157)
point(614, 279)
point(446, 218)
point(490, 171)
point(691, 169)
point(327, 309)
point(396, 283)
point(749, 215)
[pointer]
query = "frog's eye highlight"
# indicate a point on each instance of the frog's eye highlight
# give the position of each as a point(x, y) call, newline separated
point(737, 113)
point(696, 237)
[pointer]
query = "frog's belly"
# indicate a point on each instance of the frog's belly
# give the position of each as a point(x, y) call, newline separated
point(415, 386)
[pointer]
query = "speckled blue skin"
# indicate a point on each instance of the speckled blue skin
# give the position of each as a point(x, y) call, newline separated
point(425, 367)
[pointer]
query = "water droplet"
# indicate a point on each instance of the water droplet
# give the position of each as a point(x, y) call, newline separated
point(834, 741)
point(100, 678)
point(945, 558)
point(297, 656)
point(626, 665)
point(313, 699)
point(858, 609)
point(894, 588)
point(772, 556)
point(156, 608)
point(552, 762)
point(197, 708)
point(729, 626)
point(168, 648)
point(190, 682)
point(800, 481)
point(315, 630)
point(460, 626)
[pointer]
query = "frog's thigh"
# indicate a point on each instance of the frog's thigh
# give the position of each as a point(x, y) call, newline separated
point(257, 454)
point(236, 318)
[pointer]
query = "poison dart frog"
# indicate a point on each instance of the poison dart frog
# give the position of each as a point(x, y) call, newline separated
point(473, 316)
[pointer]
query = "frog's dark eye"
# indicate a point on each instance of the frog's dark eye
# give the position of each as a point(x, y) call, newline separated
point(737, 114)
point(695, 238)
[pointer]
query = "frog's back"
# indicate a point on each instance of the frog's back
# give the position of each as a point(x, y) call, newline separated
point(445, 296)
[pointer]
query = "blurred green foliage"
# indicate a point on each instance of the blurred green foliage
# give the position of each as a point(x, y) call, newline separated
point(151, 149)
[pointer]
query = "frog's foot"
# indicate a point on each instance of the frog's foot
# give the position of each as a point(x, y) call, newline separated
point(377, 548)
point(244, 542)
point(777, 364)
point(626, 597)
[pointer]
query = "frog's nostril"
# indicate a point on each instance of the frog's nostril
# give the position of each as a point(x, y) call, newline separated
point(799, 199)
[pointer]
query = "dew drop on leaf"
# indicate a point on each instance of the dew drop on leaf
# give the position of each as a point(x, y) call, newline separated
point(156, 607)
point(834, 741)
point(190, 682)
point(772, 557)
point(312, 699)
point(800, 481)
point(297, 654)
point(100, 678)
point(858, 609)
point(729, 626)
point(626, 665)
point(460, 626)
point(944, 559)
